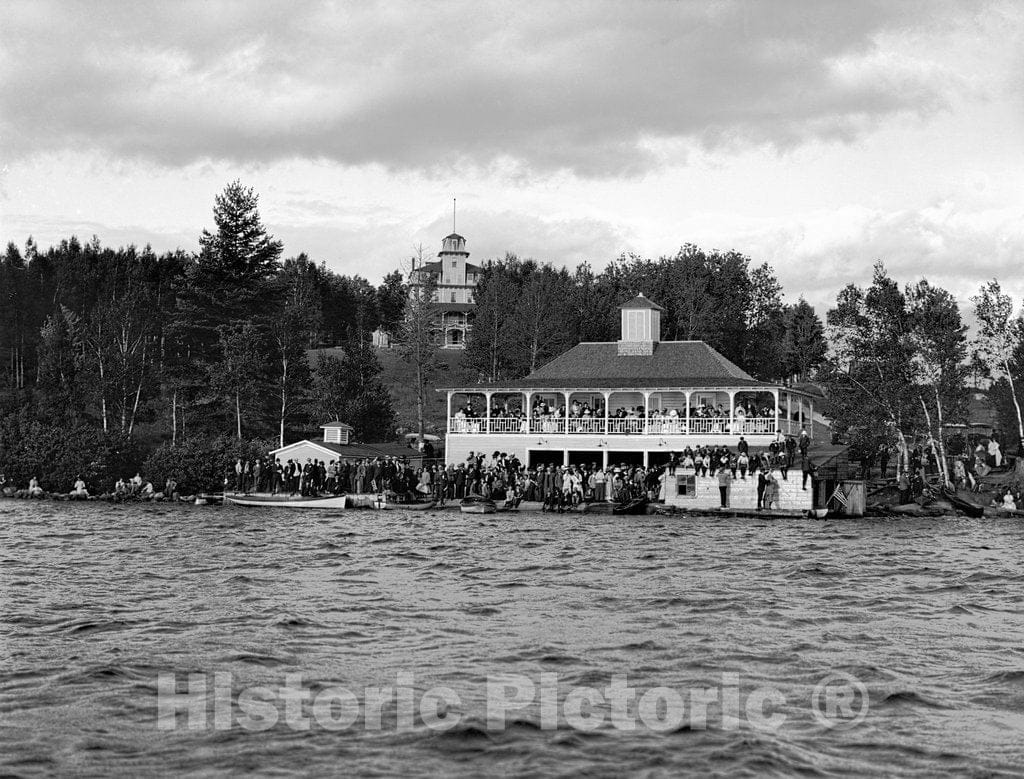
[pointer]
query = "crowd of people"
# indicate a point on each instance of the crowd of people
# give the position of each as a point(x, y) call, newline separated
point(503, 477)
point(581, 417)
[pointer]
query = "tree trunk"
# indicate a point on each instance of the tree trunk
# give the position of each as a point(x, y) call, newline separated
point(419, 404)
point(103, 396)
point(931, 439)
point(238, 415)
point(138, 391)
point(284, 398)
point(942, 445)
point(174, 418)
point(1016, 404)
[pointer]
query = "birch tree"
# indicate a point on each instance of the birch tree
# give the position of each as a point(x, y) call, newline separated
point(999, 336)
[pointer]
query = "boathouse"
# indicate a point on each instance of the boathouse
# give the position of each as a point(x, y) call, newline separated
point(337, 444)
point(631, 401)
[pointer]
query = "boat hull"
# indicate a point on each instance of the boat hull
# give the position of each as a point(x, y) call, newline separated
point(287, 501)
point(970, 508)
point(386, 505)
point(479, 508)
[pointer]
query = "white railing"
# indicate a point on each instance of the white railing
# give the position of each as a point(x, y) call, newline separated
point(626, 426)
point(463, 425)
point(666, 426)
point(585, 426)
point(510, 425)
point(661, 426)
point(547, 425)
point(755, 426)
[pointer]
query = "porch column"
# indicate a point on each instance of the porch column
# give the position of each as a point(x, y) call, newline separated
point(448, 422)
point(789, 413)
point(528, 410)
point(800, 411)
point(647, 416)
point(686, 416)
point(607, 402)
point(775, 423)
point(811, 431)
point(487, 417)
point(604, 460)
point(732, 411)
point(566, 417)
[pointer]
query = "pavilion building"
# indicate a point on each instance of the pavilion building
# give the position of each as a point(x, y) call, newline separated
point(631, 401)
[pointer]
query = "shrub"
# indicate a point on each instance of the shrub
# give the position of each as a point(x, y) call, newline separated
point(200, 465)
point(58, 454)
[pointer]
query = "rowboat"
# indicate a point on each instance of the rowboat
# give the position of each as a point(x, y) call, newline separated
point(477, 504)
point(383, 504)
point(288, 501)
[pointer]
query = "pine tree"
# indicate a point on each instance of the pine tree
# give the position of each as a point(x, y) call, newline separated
point(805, 347)
point(227, 291)
point(419, 336)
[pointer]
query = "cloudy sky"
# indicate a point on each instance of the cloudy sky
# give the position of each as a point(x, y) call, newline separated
point(818, 136)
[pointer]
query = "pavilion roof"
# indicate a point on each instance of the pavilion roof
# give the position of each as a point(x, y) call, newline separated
point(672, 364)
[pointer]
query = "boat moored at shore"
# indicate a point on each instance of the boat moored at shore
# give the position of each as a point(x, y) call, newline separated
point(289, 501)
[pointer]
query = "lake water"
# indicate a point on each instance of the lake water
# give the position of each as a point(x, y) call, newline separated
point(99, 601)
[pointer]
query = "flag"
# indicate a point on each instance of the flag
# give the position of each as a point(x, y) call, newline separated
point(839, 497)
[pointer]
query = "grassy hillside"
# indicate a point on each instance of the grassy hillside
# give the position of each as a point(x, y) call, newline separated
point(398, 377)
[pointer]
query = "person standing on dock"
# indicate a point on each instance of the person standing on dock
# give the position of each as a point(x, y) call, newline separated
point(807, 467)
point(724, 482)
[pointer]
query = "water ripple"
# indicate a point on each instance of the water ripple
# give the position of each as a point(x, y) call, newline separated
point(99, 602)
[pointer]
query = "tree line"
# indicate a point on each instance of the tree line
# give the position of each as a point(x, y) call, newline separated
point(123, 349)
point(901, 365)
point(528, 313)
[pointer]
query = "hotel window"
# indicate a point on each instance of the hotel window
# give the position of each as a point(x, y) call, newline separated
point(454, 263)
point(686, 486)
point(453, 297)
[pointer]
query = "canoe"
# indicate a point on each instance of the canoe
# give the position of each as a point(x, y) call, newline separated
point(969, 508)
point(477, 504)
point(635, 506)
point(530, 505)
point(383, 504)
point(289, 501)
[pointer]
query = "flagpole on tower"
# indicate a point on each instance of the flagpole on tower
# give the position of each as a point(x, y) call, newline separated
point(453, 215)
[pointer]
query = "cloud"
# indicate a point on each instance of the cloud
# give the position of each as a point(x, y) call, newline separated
point(599, 88)
point(373, 250)
point(817, 254)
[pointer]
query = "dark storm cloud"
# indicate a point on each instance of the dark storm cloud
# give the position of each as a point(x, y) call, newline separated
point(588, 87)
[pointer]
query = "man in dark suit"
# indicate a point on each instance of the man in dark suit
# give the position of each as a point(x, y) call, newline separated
point(761, 482)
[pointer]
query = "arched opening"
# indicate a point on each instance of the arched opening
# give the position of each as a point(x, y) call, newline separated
point(467, 412)
point(508, 414)
point(755, 413)
point(626, 412)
